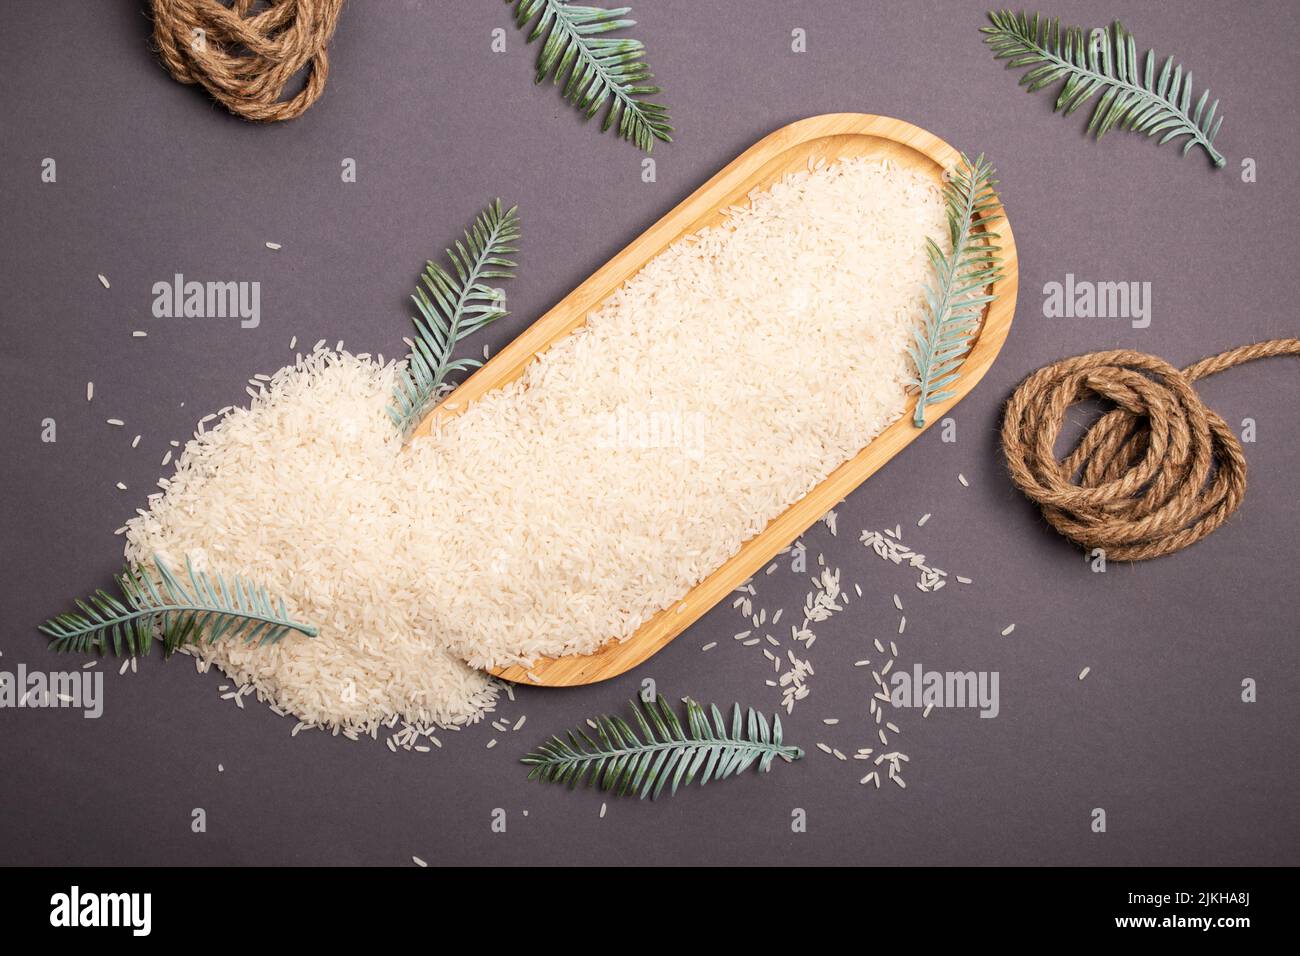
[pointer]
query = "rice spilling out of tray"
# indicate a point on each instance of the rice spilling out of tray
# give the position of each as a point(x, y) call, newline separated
point(301, 493)
point(715, 388)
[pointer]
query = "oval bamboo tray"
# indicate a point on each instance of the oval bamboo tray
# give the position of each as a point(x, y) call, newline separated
point(831, 137)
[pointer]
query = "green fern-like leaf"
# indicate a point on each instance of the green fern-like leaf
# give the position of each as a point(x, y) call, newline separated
point(955, 299)
point(176, 612)
point(1133, 97)
point(597, 70)
point(453, 307)
point(660, 752)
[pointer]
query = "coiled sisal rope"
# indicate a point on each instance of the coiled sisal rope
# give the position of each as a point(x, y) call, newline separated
point(1155, 474)
point(245, 59)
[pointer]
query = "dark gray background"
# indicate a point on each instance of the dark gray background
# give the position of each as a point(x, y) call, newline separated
point(154, 179)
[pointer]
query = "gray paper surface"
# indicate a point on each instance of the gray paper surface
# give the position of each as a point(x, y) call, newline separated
point(153, 179)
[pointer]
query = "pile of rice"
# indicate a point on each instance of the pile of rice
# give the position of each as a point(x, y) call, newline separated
point(716, 387)
point(299, 492)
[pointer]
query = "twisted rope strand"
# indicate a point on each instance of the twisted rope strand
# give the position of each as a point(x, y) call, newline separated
point(244, 59)
point(1155, 474)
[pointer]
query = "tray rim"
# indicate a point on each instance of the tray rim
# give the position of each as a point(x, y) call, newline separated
point(615, 658)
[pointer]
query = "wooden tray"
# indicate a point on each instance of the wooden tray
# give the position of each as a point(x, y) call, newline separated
point(831, 136)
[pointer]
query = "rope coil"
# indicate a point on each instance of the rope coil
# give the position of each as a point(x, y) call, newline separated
point(1153, 475)
point(244, 59)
